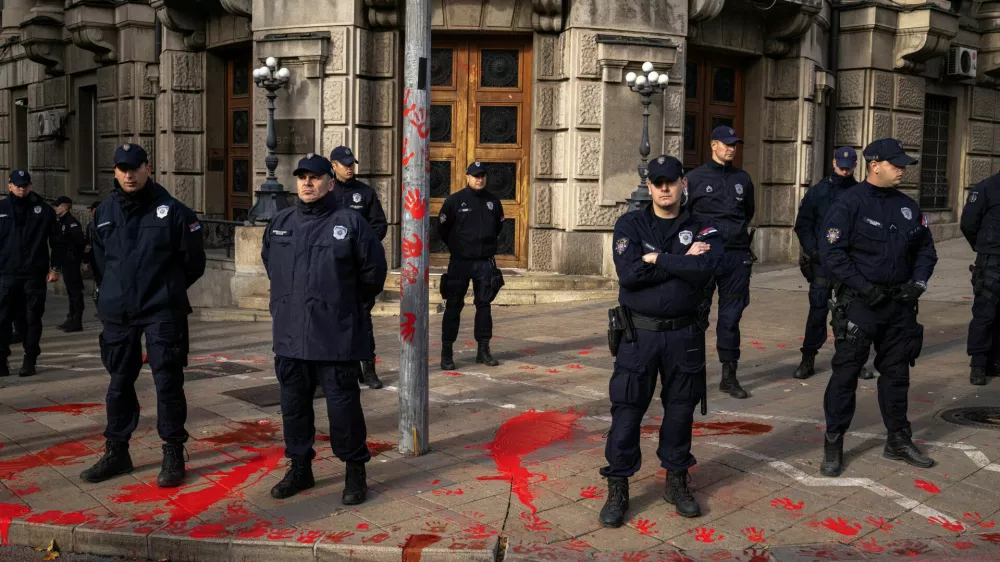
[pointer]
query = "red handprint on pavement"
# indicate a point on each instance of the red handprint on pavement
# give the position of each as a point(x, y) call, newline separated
point(645, 526)
point(926, 486)
point(591, 493)
point(578, 545)
point(479, 531)
point(978, 520)
point(839, 525)
point(415, 204)
point(309, 537)
point(871, 546)
point(634, 556)
point(406, 328)
point(879, 523)
point(417, 117)
point(753, 534)
point(574, 366)
point(412, 249)
point(787, 504)
point(339, 537)
point(534, 523)
point(281, 534)
point(375, 539)
point(444, 492)
point(954, 526)
point(701, 534)
point(911, 548)
point(407, 153)
point(963, 545)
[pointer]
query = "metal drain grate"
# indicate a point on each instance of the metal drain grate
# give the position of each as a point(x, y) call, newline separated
point(984, 417)
point(264, 396)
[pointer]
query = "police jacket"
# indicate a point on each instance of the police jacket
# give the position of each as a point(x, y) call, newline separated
point(878, 236)
point(148, 248)
point(362, 198)
point(813, 208)
point(981, 216)
point(724, 194)
point(28, 230)
point(74, 238)
point(324, 262)
point(674, 286)
point(469, 223)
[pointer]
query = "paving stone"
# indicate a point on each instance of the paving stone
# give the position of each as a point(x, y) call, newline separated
point(115, 536)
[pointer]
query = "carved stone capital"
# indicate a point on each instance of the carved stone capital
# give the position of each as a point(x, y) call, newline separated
point(42, 39)
point(243, 8)
point(92, 27)
point(922, 35)
point(547, 16)
point(383, 13)
point(176, 17)
point(704, 10)
point(786, 26)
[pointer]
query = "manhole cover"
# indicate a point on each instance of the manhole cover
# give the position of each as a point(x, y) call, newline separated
point(225, 368)
point(984, 417)
point(264, 396)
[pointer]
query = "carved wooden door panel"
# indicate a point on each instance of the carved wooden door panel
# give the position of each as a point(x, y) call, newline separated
point(239, 140)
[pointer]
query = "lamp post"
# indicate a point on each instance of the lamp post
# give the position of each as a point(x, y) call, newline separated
point(271, 197)
point(646, 84)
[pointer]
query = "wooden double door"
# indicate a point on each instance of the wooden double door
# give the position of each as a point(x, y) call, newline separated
point(713, 88)
point(481, 112)
point(239, 137)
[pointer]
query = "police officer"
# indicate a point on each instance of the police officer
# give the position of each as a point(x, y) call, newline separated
point(359, 196)
point(28, 230)
point(469, 223)
point(981, 227)
point(724, 193)
point(148, 246)
point(88, 252)
point(76, 242)
point(877, 247)
point(809, 229)
point(665, 259)
point(325, 262)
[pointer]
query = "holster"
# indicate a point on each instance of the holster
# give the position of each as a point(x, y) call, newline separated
point(753, 257)
point(620, 327)
point(839, 300)
point(496, 281)
point(856, 337)
point(805, 266)
point(443, 286)
point(985, 282)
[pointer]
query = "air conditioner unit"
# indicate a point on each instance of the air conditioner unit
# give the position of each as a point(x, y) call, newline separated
point(50, 124)
point(961, 62)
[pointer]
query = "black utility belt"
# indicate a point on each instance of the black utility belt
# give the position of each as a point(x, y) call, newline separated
point(654, 324)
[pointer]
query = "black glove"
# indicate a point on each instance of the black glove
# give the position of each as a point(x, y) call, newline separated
point(805, 266)
point(876, 297)
point(909, 293)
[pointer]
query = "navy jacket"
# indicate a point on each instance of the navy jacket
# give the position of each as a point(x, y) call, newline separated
point(814, 207)
point(28, 230)
point(324, 262)
point(470, 222)
point(148, 250)
point(981, 216)
point(877, 236)
point(360, 196)
point(74, 238)
point(675, 285)
point(724, 194)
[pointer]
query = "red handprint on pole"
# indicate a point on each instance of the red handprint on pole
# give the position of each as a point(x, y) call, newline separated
point(406, 327)
point(415, 204)
point(407, 154)
point(412, 249)
point(417, 117)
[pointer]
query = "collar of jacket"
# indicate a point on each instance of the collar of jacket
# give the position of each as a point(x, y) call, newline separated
point(712, 164)
point(138, 200)
point(880, 191)
point(31, 198)
point(680, 219)
point(842, 181)
point(320, 207)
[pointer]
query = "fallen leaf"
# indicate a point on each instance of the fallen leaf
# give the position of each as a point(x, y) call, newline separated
point(51, 556)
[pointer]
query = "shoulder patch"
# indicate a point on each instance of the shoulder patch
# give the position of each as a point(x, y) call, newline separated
point(685, 237)
point(161, 211)
point(194, 226)
point(356, 197)
point(923, 219)
point(832, 235)
point(621, 245)
point(973, 196)
point(907, 213)
point(339, 232)
point(707, 232)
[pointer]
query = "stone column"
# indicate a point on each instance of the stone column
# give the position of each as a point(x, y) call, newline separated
point(180, 141)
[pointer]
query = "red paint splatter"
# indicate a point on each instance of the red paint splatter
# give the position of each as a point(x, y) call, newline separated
point(755, 555)
point(71, 409)
point(9, 512)
point(453, 373)
point(910, 548)
point(645, 526)
point(574, 366)
point(591, 493)
point(526, 368)
point(753, 534)
point(993, 538)
point(415, 545)
point(363, 527)
point(954, 526)
point(634, 556)
point(249, 433)
point(443, 492)
point(533, 522)
point(963, 545)
point(408, 276)
point(701, 534)
point(926, 486)
point(552, 371)
point(30, 489)
point(63, 454)
point(879, 523)
point(478, 531)
point(871, 546)
point(309, 537)
point(406, 328)
point(787, 504)
point(412, 249)
point(782, 346)
point(62, 518)
point(375, 539)
point(378, 447)
point(978, 520)
point(839, 525)
point(523, 435)
point(584, 352)
point(407, 153)
point(415, 204)
point(705, 429)
point(339, 537)
point(417, 117)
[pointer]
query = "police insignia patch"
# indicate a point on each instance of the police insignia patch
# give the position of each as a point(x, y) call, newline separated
point(685, 237)
point(356, 197)
point(489, 205)
point(21, 173)
point(739, 189)
point(162, 211)
point(339, 232)
point(661, 159)
point(973, 196)
point(126, 147)
point(907, 213)
point(310, 156)
point(832, 235)
point(38, 210)
point(621, 245)
point(442, 217)
point(708, 189)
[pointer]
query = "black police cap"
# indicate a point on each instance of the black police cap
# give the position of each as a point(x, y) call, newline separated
point(888, 150)
point(343, 155)
point(476, 169)
point(130, 156)
point(313, 164)
point(665, 168)
point(725, 134)
point(63, 200)
point(20, 178)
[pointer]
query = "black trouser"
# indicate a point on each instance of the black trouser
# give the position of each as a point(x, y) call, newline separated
point(298, 379)
point(733, 281)
point(369, 305)
point(819, 299)
point(898, 338)
point(460, 272)
point(167, 349)
point(74, 288)
point(22, 298)
point(984, 330)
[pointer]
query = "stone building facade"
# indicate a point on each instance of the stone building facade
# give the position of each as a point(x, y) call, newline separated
point(534, 89)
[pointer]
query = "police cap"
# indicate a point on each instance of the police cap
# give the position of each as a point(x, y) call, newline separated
point(130, 156)
point(313, 164)
point(20, 178)
point(665, 168)
point(63, 200)
point(726, 135)
point(476, 169)
point(888, 150)
point(846, 157)
point(343, 155)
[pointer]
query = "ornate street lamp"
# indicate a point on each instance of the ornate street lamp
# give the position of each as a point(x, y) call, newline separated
point(271, 197)
point(646, 85)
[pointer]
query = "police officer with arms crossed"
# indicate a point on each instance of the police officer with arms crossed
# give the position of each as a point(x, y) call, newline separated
point(28, 230)
point(469, 223)
point(981, 227)
point(724, 193)
point(809, 228)
point(665, 258)
point(148, 247)
point(878, 249)
point(76, 242)
point(325, 263)
point(354, 194)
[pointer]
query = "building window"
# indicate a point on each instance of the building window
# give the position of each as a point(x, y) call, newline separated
point(19, 153)
point(87, 143)
point(934, 156)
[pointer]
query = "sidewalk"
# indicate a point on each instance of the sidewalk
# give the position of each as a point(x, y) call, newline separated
point(516, 450)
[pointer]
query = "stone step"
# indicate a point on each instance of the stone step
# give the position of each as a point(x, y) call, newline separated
point(517, 297)
point(514, 281)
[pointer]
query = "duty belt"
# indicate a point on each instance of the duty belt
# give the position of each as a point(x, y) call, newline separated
point(661, 324)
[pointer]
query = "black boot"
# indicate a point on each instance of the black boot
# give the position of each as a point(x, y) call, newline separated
point(114, 462)
point(729, 383)
point(447, 362)
point(299, 477)
point(679, 495)
point(484, 356)
point(978, 376)
point(807, 367)
point(355, 484)
point(368, 373)
point(613, 512)
point(74, 324)
point(4, 368)
point(28, 367)
point(899, 447)
point(833, 455)
point(172, 470)
point(66, 322)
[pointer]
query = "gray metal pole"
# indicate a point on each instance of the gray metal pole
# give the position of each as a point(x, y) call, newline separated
point(413, 278)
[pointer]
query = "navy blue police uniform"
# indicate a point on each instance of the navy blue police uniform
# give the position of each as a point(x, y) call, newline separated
point(878, 249)
point(29, 229)
point(75, 243)
point(324, 263)
point(725, 194)
point(359, 196)
point(88, 254)
point(809, 229)
point(662, 301)
point(470, 223)
point(981, 226)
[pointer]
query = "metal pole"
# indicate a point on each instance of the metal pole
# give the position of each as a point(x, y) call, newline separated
point(414, 275)
point(649, 83)
point(271, 197)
